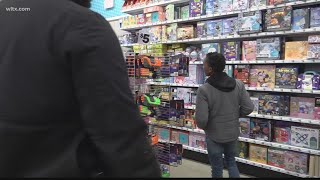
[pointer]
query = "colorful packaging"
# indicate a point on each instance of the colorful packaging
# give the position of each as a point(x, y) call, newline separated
point(286, 77)
point(309, 80)
point(164, 134)
point(278, 19)
point(314, 39)
point(184, 94)
point(302, 107)
point(313, 51)
point(255, 101)
point(231, 50)
point(317, 108)
point(249, 50)
point(305, 137)
point(260, 129)
point(141, 19)
point(262, 76)
point(242, 72)
point(211, 7)
point(296, 50)
point(224, 6)
point(197, 8)
point(164, 33)
point(255, 4)
point(184, 138)
point(197, 140)
point(301, 19)
point(282, 135)
point(296, 162)
point(172, 32)
point(170, 12)
point(315, 17)
point(244, 127)
point(229, 70)
point(276, 2)
point(268, 48)
point(214, 28)
point(276, 105)
point(250, 22)
point(201, 29)
point(185, 12)
point(258, 153)
point(155, 34)
point(243, 150)
point(185, 32)
point(276, 157)
point(175, 136)
point(240, 5)
point(208, 48)
point(230, 26)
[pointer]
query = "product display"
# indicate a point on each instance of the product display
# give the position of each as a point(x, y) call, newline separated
point(278, 19)
point(258, 153)
point(249, 50)
point(286, 77)
point(296, 50)
point(268, 48)
point(250, 22)
point(301, 19)
point(262, 76)
point(276, 157)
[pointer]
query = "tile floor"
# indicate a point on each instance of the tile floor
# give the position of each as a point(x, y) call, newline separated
point(193, 169)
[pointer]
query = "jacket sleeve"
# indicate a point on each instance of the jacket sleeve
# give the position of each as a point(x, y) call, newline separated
point(246, 105)
point(109, 114)
point(202, 109)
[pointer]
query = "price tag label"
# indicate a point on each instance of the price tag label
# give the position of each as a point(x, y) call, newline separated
point(143, 37)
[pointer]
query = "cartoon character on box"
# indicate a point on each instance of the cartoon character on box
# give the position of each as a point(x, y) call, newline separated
point(249, 50)
point(302, 107)
point(282, 135)
point(244, 127)
point(243, 148)
point(260, 129)
point(286, 77)
point(296, 162)
point(262, 76)
point(258, 153)
point(278, 18)
point(314, 51)
point(276, 157)
point(197, 8)
point(308, 81)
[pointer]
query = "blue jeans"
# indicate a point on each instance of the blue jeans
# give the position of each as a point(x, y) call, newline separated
point(215, 153)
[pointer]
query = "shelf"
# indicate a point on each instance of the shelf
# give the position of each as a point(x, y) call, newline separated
point(207, 17)
point(309, 61)
point(285, 118)
point(245, 161)
point(253, 141)
point(139, 10)
point(234, 37)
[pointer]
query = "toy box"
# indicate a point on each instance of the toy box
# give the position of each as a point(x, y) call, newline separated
point(185, 32)
point(243, 150)
point(262, 76)
point(268, 48)
point(141, 19)
point(309, 80)
point(314, 39)
point(276, 157)
point(255, 4)
point(276, 2)
point(214, 28)
point(211, 7)
point(231, 50)
point(277, 105)
point(184, 94)
point(158, 17)
point(170, 12)
point(185, 12)
point(174, 136)
point(229, 70)
point(197, 8)
point(184, 138)
point(278, 19)
point(286, 77)
point(201, 29)
point(208, 48)
point(296, 162)
point(282, 135)
point(296, 50)
point(249, 50)
point(224, 6)
point(244, 127)
point(230, 26)
point(172, 32)
point(258, 153)
point(196, 75)
point(302, 107)
point(250, 22)
point(240, 5)
point(260, 129)
point(164, 134)
point(197, 140)
point(301, 19)
point(177, 12)
point(314, 51)
point(317, 108)
point(155, 34)
point(242, 72)
point(153, 9)
point(255, 101)
point(315, 17)
point(164, 33)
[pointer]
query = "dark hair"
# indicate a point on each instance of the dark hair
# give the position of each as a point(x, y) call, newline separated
point(216, 61)
point(84, 3)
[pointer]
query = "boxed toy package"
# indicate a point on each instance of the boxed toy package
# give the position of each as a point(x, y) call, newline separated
point(197, 140)
point(260, 129)
point(230, 26)
point(313, 51)
point(211, 6)
point(258, 153)
point(250, 22)
point(296, 162)
point(170, 12)
point(296, 50)
point(244, 127)
point(249, 50)
point(224, 6)
point(197, 8)
point(242, 72)
point(240, 5)
point(185, 32)
point(185, 12)
point(302, 107)
point(229, 70)
point(276, 157)
point(214, 28)
point(278, 19)
point(164, 134)
point(309, 80)
point(300, 19)
point(276, 105)
point(305, 137)
point(262, 76)
point(315, 17)
point(243, 150)
point(155, 34)
point(282, 135)
point(184, 138)
point(277, 2)
point(184, 94)
point(286, 77)
point(268, 48)
point(255, 101)
point(314, 39)
point(255, 4)
point(201, 29)
point(208, 48)
point(231, 50)
point(175, 136)
point(172, 32)
point(317, 108)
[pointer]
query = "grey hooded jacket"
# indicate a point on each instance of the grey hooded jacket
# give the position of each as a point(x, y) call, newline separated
point(220, 103)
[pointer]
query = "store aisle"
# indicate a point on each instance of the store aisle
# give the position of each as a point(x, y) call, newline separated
point(193, 169)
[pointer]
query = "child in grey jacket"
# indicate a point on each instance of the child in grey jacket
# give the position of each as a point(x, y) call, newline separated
point(220, 103)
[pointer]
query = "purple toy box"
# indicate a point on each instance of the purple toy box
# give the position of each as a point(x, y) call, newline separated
point(308, 81)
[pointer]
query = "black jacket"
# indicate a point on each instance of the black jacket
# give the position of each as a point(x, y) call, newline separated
point(63, 77)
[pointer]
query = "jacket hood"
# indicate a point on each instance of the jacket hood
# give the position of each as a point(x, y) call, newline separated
point(222, 82)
